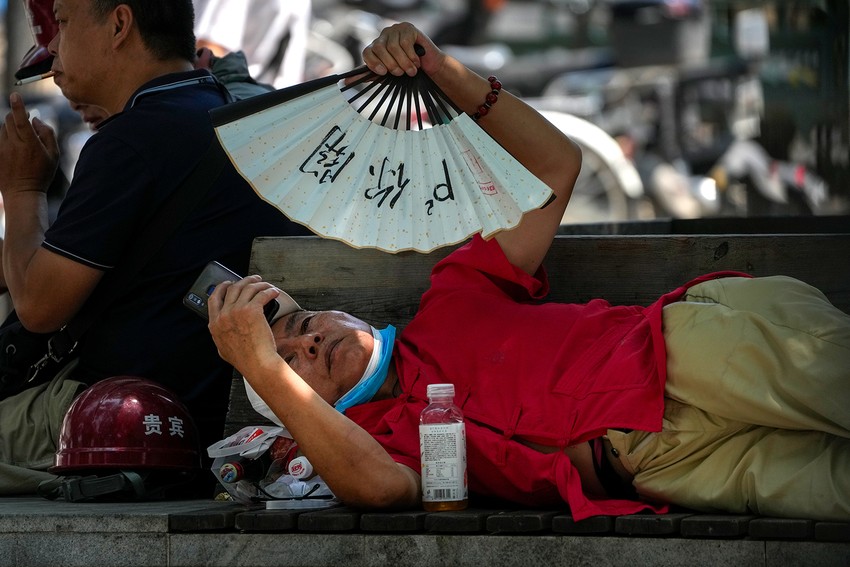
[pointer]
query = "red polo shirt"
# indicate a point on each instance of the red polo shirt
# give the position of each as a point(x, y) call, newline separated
point(551, 373)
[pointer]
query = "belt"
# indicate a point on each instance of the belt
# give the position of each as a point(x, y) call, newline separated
point(615, 479)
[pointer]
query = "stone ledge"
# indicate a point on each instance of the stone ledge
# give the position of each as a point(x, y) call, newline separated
point(39, 533)
point(31, 515)
point(425, 550)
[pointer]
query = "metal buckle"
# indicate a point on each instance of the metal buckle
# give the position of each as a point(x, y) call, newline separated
point(55, 353)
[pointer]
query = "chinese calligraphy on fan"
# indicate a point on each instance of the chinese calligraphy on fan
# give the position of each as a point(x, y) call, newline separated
point(329, 158)
point(389, 181)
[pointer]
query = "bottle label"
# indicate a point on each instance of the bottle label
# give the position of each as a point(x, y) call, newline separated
point(300, 468)
point(443, 450)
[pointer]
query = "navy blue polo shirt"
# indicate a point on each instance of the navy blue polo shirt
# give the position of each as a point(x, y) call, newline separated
point(124, 173)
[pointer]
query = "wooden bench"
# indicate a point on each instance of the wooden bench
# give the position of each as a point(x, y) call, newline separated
point(381, 288)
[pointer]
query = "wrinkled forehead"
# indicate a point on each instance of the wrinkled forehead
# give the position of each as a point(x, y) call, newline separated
point(291, 324)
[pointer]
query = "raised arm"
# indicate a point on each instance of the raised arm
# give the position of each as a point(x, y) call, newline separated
point(532, 140)
point(47, 289)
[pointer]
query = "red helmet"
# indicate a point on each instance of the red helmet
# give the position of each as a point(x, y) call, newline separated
point(44, 28)
point(127, 423)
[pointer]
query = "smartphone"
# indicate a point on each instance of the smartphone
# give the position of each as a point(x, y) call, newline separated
point(212, 275)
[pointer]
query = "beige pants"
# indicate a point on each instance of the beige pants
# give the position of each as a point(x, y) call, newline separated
point(758, 411)
point(29, 431)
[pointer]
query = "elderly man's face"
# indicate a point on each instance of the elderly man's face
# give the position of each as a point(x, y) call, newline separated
point(328, 349)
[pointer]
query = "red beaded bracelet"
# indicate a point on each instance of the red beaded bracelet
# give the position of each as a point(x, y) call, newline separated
point(491, 98)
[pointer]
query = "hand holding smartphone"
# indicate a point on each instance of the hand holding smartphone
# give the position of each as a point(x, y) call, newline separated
point(213, 274)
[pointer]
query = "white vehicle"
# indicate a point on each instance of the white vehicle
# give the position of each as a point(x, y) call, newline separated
point(608, 184)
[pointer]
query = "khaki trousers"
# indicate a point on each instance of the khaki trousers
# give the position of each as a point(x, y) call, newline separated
point(29, 431)
point(757, 416)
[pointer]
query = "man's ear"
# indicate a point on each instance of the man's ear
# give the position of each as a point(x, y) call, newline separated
point(121, 19)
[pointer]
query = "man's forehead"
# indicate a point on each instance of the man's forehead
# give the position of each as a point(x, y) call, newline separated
point(90, 7)
point(66, 6)
point(289, 321)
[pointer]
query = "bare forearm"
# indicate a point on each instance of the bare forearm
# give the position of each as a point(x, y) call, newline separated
point(46, 288)
point(544, 150)
point(26, 222)
point(357, 469)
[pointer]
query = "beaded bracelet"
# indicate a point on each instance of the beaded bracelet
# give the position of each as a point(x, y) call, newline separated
point(491, 98)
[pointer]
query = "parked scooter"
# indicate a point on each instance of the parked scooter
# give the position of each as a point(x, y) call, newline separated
point(608, 187)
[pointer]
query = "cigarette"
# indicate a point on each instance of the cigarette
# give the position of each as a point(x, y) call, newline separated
point(35, 78)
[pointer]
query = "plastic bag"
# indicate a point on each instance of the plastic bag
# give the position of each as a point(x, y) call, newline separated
point(250, 442)
point(238, 458)
point(252, 466)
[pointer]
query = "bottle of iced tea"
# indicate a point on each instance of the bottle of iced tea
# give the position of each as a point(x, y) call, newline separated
point(442, 444)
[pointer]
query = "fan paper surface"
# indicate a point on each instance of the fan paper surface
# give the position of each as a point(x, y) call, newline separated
point(347, 177)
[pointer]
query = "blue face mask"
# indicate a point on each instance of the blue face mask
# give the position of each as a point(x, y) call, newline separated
point(376, 371)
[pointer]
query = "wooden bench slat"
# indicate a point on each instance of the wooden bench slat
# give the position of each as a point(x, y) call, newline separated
point(565, 524)
point(821, 224)
point(710, 525)
point(205, 519)
point(649, 525)
point(521, 521)
point(382, 289)
point(340, 519)
point(832, 531)
point(781, 528)
point(471, 520)
point(412, 521)
point(267, 521)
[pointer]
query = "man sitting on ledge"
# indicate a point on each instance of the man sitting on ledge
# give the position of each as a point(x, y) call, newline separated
point(729, 393)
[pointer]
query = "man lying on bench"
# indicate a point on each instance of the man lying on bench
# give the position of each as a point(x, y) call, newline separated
point(729, 393)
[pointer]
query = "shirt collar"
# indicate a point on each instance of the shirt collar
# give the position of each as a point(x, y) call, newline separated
point(168, 82)
point(172, 81)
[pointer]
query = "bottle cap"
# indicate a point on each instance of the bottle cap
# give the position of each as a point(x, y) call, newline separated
point(441, 390)
point(231, 472)
point(300, 467)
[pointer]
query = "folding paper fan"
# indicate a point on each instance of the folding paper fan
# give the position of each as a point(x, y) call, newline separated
point(381, 162)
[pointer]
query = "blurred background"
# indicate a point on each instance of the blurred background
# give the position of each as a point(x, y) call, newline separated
point(685, 109)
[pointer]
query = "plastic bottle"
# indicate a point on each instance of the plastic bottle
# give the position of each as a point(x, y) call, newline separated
point(239, 468)
point(300, 468)
point(442, 444)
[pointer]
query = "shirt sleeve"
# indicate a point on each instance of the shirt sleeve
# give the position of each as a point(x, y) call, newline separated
point(482, 265)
